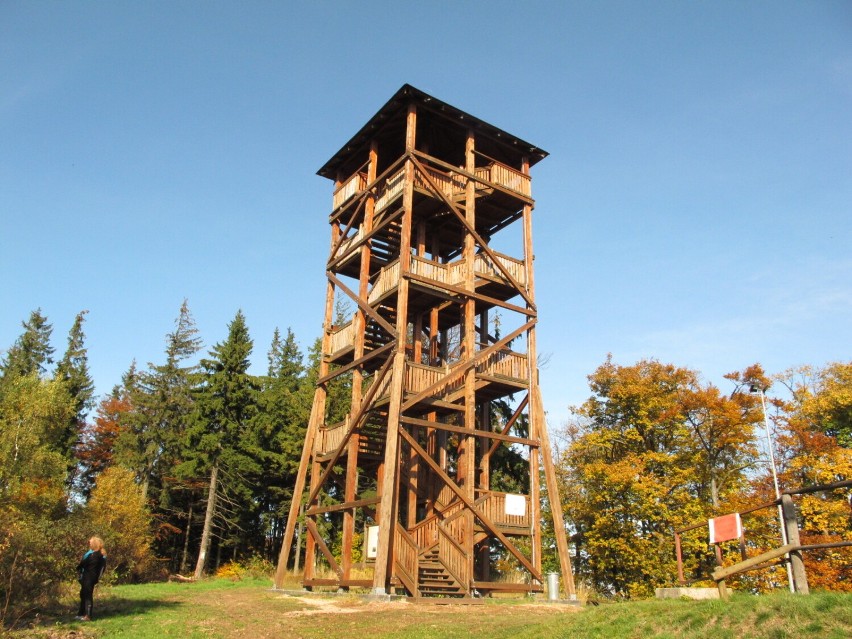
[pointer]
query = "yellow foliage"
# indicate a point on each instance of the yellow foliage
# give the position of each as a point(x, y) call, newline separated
point(118, 513)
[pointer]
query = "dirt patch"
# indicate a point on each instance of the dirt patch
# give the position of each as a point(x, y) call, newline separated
point(319, 606)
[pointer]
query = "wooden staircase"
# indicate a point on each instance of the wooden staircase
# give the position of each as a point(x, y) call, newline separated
point(434, 580)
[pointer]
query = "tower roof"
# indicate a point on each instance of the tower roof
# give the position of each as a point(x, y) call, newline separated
point(390, 121)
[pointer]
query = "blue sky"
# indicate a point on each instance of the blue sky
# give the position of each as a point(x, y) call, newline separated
point(695, 207)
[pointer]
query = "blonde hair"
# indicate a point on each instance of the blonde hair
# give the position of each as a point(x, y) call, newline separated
point(96, 543)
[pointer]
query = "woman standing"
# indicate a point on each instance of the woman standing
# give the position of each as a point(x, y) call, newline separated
point(89, 572)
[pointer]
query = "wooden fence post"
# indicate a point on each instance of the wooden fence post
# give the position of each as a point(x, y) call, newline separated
point(791, 524)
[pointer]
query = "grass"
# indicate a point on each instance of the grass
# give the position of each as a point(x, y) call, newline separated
point(221, 608)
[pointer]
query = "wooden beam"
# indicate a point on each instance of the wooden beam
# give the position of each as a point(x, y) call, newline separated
point(298, 490)
point(312, 528)
point(422, 423)
point(319, 510)
point(364, 306)
point(358, 362)
point(752, 562)
point(553, 495)
point(511, 422)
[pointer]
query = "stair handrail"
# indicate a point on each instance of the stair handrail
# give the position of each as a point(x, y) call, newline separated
point(453, 558)
point(406, 560)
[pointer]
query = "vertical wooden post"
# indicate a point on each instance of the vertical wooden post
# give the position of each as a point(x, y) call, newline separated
point(388, 514)
point(467, 459)
point(791, 525)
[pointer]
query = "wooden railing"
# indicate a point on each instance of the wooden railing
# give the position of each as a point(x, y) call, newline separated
point(341, 337)
point(406, 559)
point(445, 498)
point(454, 558)
point(420, 376)
point(347, 244)
point(384, 389)
point(391, 189)
point(452, 273)
point(429, 269)
point(505, 363)
point(493, 505)
point(329, 438)
point(483, 265)
point(425, 534)
point(509, 178)
point(387, 279)
point(450, 184)
point(348, 189)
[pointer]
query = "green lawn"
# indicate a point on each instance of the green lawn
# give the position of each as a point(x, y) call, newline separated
point(222, 608)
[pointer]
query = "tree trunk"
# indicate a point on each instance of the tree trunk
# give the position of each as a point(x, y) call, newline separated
point(208, 522)
point(185, 555)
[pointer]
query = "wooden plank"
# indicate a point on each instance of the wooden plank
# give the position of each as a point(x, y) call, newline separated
point(752, 562)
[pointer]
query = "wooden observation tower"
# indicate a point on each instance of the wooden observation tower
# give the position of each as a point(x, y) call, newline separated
point(432, 480)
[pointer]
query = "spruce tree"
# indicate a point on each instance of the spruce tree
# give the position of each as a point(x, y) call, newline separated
point(32, 352)
point(218, 437)
point(280, 428)
point(163, 401)
point(73, 372)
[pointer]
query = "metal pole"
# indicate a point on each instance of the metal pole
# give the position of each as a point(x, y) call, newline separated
point(777, 489)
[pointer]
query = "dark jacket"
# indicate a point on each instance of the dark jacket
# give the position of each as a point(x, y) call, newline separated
point(91, 567)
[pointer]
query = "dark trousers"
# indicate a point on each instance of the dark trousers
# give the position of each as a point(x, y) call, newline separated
point(87, 589)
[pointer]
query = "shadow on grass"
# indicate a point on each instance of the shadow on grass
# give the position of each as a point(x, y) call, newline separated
point(110, 607)
point(123, 607)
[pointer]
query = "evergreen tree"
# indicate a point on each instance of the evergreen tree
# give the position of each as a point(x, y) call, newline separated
point(32, 352)
point(162, 399)
point(73, 371)
point(280, 428)
point(219, 439)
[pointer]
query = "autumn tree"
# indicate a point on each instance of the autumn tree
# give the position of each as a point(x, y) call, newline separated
point(118, 512)
point(34, 516)
point(95, 451)
point(815, 445)
point(653, 449)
